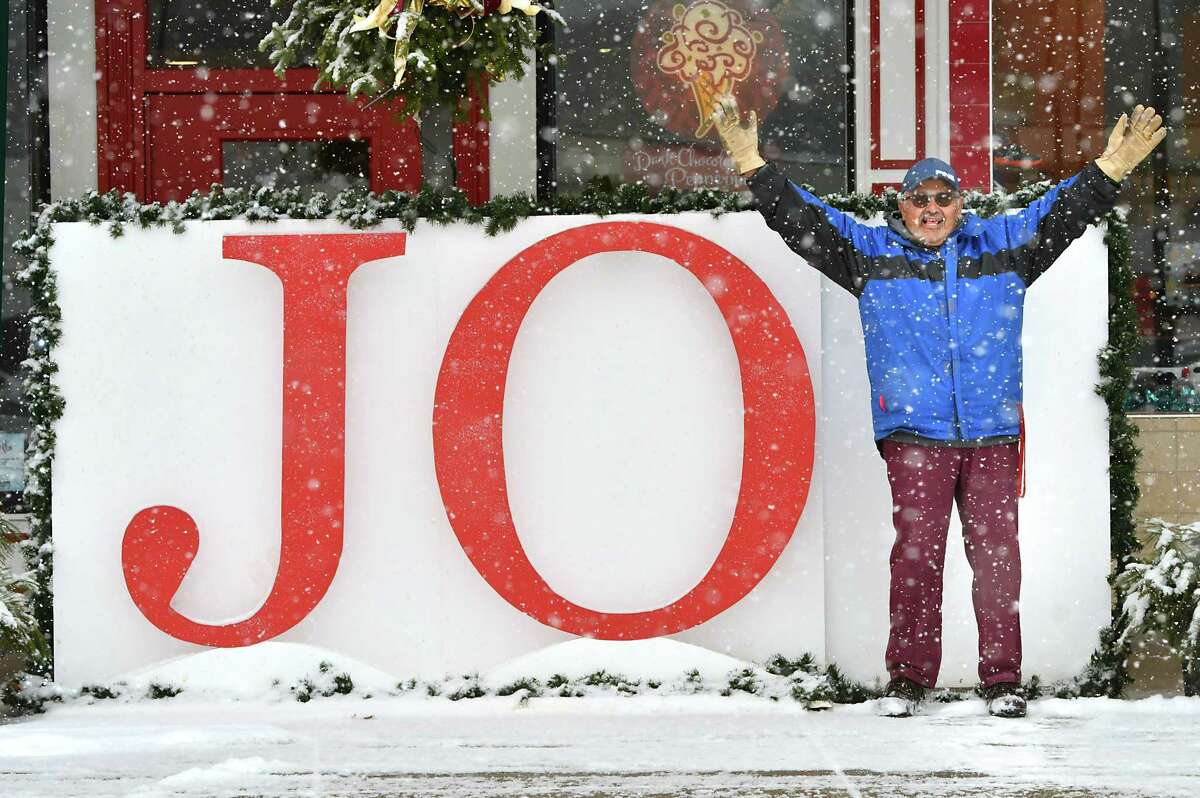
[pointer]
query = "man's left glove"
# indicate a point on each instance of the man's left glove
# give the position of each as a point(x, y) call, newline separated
point(1131, 142)
point(740, 141)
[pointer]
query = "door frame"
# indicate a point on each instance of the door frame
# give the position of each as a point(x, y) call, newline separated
point(124, 83)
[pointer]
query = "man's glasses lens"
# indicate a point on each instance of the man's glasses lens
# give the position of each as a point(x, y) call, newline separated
point(942, 198)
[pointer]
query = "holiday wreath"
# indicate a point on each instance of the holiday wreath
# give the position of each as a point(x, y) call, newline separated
point(410, 53)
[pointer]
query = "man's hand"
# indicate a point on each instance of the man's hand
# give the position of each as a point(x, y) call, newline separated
point(1131, 142)
point(740, 141)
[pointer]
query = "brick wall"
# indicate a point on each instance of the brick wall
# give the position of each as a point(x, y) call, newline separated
point(1169, 471)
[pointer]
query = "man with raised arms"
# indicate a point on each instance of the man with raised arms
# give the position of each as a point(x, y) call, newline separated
point(940, 294)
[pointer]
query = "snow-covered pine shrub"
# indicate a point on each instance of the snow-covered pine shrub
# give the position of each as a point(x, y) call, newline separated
point(743, 681)
point(159, 690)
point(324, 683)
point(18, 629)
point(532, 688)
point(468, 687)
point(808, 682)
point(846, 691)
point(1162, 594)
point(27, 694)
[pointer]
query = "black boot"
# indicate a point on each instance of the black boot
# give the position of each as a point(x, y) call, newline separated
point(901, 699)
point(1004, 700)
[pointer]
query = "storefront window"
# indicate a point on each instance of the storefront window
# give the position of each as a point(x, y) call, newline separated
point(635, 80)
point(1054, 104)
point(329, 165)
point(22, 189)
point(212, 33)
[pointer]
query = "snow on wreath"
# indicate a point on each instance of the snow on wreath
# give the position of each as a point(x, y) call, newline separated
point(410, 53)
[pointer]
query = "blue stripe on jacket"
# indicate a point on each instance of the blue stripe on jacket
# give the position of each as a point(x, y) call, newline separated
point(941, 326)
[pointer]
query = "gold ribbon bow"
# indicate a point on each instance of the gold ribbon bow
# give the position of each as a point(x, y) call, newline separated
point(406, 22)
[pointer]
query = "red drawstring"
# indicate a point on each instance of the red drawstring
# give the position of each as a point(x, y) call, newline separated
point(1021, 453)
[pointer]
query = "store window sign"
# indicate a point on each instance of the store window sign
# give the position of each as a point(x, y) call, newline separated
point(12, 461)
point(685, 56)
point(161, 542)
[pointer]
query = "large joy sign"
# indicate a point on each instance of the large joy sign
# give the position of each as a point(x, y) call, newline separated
point(161, 541)
point(436, 451)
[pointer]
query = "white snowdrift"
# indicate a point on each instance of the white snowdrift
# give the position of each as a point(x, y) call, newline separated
point(257, 671)
point(659, 659)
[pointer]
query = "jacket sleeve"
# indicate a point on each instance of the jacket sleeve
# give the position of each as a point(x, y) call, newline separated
point(823, 236)
point(1037, 235)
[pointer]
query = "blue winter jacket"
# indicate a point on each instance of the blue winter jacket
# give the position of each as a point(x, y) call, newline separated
point(942, 326)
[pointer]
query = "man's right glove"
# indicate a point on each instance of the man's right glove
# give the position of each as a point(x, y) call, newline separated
point(1131, 142)
point(740, 141)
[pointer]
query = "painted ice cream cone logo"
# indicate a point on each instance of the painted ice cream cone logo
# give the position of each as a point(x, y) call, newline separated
point(710, 49)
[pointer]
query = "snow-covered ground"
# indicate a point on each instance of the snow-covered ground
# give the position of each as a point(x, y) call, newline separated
point(214, 740)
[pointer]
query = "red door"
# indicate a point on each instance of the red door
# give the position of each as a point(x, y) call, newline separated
point(185, 100)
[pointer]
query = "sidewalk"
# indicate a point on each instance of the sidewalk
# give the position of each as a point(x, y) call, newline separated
point(599, 746)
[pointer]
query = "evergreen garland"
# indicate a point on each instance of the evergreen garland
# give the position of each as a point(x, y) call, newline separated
point(1106, 674)
point(446, 55)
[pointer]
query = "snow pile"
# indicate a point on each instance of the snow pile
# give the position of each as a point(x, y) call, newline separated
point(659, 659)
point(660, 666)
point(266, 670)
point(226, 776)
point(573, 669)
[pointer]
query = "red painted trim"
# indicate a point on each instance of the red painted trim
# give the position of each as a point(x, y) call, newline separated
point(877, 188)
point(232, 81)
point(120, 54)
point(184, 149)
point(970, 92)
point(127, 143)
point(969, 84)
point(877, 160)
point(472, 164)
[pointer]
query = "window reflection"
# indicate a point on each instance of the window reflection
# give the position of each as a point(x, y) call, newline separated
point(1063, 72)
point(211, 33)
point(636, 79)
point(329, 165)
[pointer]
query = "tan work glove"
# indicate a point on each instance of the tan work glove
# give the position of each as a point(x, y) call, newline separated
point(1131, 142)
point(740, 141)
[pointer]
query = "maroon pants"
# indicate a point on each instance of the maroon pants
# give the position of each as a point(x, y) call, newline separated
point(925, 480)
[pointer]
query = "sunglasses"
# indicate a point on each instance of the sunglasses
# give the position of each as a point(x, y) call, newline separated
point(943, 198)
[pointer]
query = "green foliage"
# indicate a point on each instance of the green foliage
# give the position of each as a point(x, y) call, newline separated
point(1162, 594)
point(945, 696)
point(446, 54)
point(1115, 376)
point(100, 692)
point(19, 632)
point(532, 687)
point(28, 694)
point(156, 690)
point(846, 691)
point(612, 681)
point(779, 665)
point(743, 681)
point(324, 684)
point(471, 689)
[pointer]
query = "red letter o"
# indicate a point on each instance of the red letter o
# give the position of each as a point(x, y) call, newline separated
point(777, 455)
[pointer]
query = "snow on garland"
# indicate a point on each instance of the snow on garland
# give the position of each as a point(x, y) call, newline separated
point(1106, 673)
point(421, 52)
point(1162, 595)
point(800, 680)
